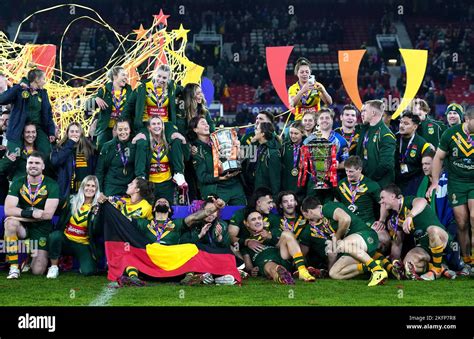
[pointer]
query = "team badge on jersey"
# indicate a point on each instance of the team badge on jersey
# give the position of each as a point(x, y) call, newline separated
point(413, 153)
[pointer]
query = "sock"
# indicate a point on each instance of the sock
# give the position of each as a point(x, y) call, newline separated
point(362, 268)
point(383, 260)
point(437, 257)
point(131, 271)
point(466, 259)
point(298, 260)
point(373, 266)
point(12, 250)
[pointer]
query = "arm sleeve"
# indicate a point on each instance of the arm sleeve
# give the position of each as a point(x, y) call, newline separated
point(9, 96)
point(202, 172)
point(60, 155)
point(444, 142)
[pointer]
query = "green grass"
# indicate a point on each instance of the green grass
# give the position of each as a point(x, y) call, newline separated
point(71, 289)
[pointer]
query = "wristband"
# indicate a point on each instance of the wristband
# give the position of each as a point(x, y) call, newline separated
point(27, 213)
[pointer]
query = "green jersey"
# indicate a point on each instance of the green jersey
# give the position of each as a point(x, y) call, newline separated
point(360, 197)
point(271, 223)
point(421, 221)
point(294, 225)
point(166, 232)
point(460, 155)
point(431, 130)
point(34, 195)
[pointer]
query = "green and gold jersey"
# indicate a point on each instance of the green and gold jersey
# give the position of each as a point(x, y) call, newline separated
point(460, 154)
point(361, 197)
point(315, 235)
point(77, 228)
point(156, 103)
point(167, 232)
point(294, 225)
point(119, 99)
point(357, 225)
point(271, 224)
point(34, 195)
point(351, 138)
point(139, 210)
point(421, 221)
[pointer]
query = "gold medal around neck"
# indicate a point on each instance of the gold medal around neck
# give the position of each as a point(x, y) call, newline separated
point(294, 172)
point(352, 208)
point(124, 171)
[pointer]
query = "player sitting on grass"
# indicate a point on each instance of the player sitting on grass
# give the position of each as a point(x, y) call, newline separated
point(414, 215)
point(268, 259)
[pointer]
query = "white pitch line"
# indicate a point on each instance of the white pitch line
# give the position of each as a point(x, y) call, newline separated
point(104, 297)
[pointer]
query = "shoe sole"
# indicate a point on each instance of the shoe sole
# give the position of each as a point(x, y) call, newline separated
point(284, 276)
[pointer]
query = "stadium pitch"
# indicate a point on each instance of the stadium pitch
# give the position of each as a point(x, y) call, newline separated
point(71, 289)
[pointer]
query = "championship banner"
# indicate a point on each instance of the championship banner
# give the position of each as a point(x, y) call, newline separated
point(126, 246)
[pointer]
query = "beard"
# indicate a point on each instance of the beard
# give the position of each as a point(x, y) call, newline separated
point(161, 209)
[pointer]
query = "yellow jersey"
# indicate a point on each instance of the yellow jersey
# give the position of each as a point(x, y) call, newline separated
point(156, 103)
point(160, 170)
point(118, 103)
point(76, 229)
point(139, 210)
point(310, 101)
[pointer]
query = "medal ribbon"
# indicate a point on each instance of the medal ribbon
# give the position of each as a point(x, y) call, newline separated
point(32, 196)
point(296, 153)
point(159, 99)
point(160, 230)
point(117, 104)
point(354, 191)
point(325, 231)
point(468, 135)
point(123, 157)
point(404, 156)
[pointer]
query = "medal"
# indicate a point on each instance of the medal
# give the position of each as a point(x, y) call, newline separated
point(32, 196)
point(123, 158)
point(117, 103)
point(352, 208)
point(296, 153)
point(354, 189)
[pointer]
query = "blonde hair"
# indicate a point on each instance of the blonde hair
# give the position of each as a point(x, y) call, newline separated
point(376, 104)
point(114, 71)
point(162, 136)
point(78, 199)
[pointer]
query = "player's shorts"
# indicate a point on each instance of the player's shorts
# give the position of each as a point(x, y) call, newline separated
point(38, 234)
point(271, 254)
point(460, 192)
point(426, 219)
point(371, 239)
point(422, 239)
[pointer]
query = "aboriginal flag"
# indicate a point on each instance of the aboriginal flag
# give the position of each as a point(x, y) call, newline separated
point(126, 245)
